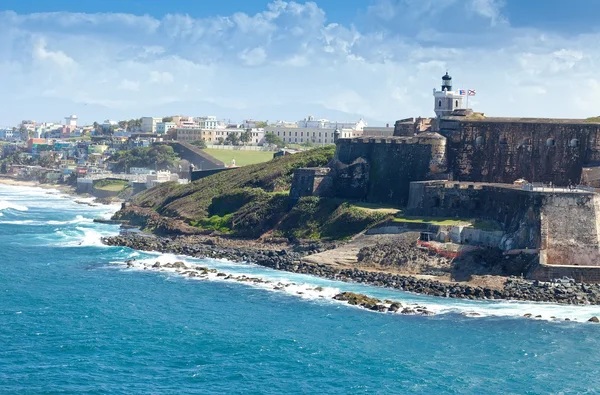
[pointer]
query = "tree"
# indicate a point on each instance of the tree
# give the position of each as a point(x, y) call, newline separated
point(123, 124)
point(261, 124)
point(220, 141)
point(246, 136)
point(157, 156)
point(199, 143)
point(308, 144)
point(167, 119)
point(232, 139)
point(271, 138)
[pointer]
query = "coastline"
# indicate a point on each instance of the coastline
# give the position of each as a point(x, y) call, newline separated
point(63, 188)
point(292, 259)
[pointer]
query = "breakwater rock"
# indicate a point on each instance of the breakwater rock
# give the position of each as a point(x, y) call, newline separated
point(359, 300)
point(291, 261)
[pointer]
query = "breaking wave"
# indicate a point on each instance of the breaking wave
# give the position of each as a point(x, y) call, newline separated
point(6, 205)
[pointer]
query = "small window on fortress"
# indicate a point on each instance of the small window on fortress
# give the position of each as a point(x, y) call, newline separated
point(479, 141)
point(551, 142)
point(574, 143)
point(456, 105)
point(439, 103)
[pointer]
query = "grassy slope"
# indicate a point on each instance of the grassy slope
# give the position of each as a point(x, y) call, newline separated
point(242, 157)
point(253, 200)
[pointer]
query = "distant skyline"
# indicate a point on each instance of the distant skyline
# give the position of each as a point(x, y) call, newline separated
point(276, 60)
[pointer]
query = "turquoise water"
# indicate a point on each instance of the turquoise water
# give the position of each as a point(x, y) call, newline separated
point(74, 319)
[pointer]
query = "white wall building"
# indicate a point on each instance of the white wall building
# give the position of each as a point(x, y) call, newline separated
point(164, 127)
point(209, 122)
point(141, 170)
point(71, 120)
point(149, 124)
point(311, 123)
point(160, 177)
point(315, 131)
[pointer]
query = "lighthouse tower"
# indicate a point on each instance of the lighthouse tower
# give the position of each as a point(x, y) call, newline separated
point(446, 100)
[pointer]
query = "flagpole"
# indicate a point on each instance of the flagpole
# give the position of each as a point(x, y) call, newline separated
point(467, 98)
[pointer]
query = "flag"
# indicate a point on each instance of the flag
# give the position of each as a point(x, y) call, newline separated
point(471, 92)
point(462, 92)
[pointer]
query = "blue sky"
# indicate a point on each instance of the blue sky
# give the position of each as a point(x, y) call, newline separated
point(377, 59)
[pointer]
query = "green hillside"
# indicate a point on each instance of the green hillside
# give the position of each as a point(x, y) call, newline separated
point(253, 200)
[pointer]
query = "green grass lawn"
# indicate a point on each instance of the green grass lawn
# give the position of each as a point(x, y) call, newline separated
point(242, 157)
point(374, 207)
point(481, 224)
point(111, 185)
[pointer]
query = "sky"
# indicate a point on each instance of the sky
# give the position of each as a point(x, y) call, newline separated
point(285, 60)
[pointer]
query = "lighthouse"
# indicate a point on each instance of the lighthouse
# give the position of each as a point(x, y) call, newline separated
point(446, 100)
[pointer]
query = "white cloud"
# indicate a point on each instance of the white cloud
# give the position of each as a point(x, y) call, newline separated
point(287, 61)
point(129, 85)
point(253, 57)
point(161, 77)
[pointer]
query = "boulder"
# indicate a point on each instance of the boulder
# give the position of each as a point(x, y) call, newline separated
point(594, 319)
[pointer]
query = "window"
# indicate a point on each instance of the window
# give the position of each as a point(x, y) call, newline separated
point(439, 103)
point(456, 105)
point(479, 141)
point(550, 142)
point(574, 143)
point(296, 134)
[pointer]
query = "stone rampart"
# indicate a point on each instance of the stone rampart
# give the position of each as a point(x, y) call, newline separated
point(381, 169)
point(503, 150)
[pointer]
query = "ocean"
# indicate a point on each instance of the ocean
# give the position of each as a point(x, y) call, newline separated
point(75, 319)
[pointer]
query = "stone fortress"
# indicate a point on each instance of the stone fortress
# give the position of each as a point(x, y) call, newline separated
point(534, 177)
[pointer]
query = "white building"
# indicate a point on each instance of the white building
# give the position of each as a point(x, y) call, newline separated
point(160, 177)
point(141, 170)
point(315, 131)
point(149, 124)
point(209, 122)
point(164, 127)
point(446, 100)
point(71, 121)
point(311, 123)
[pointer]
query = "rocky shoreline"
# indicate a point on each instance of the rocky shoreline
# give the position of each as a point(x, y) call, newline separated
point(291, 260)
point(354, 299)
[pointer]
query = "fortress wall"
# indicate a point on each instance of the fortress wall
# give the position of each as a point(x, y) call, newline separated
point(516, 211)
point(571, 225)
point(380, 170)
point(504, 151)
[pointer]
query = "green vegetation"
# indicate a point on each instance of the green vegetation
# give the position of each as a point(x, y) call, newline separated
point(242, 157)
point(322, 218)
point(111, 185)
point(271, 138)
point(159, 156)
point(592, 120)
point(253, 200)
point(487, 225)
point(199, 143)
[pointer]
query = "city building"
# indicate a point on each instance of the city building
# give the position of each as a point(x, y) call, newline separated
point(194, 134)
point(71, 121)
point(313, 131)
point(149, 124)
point(209, 122)
point(164, 127)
